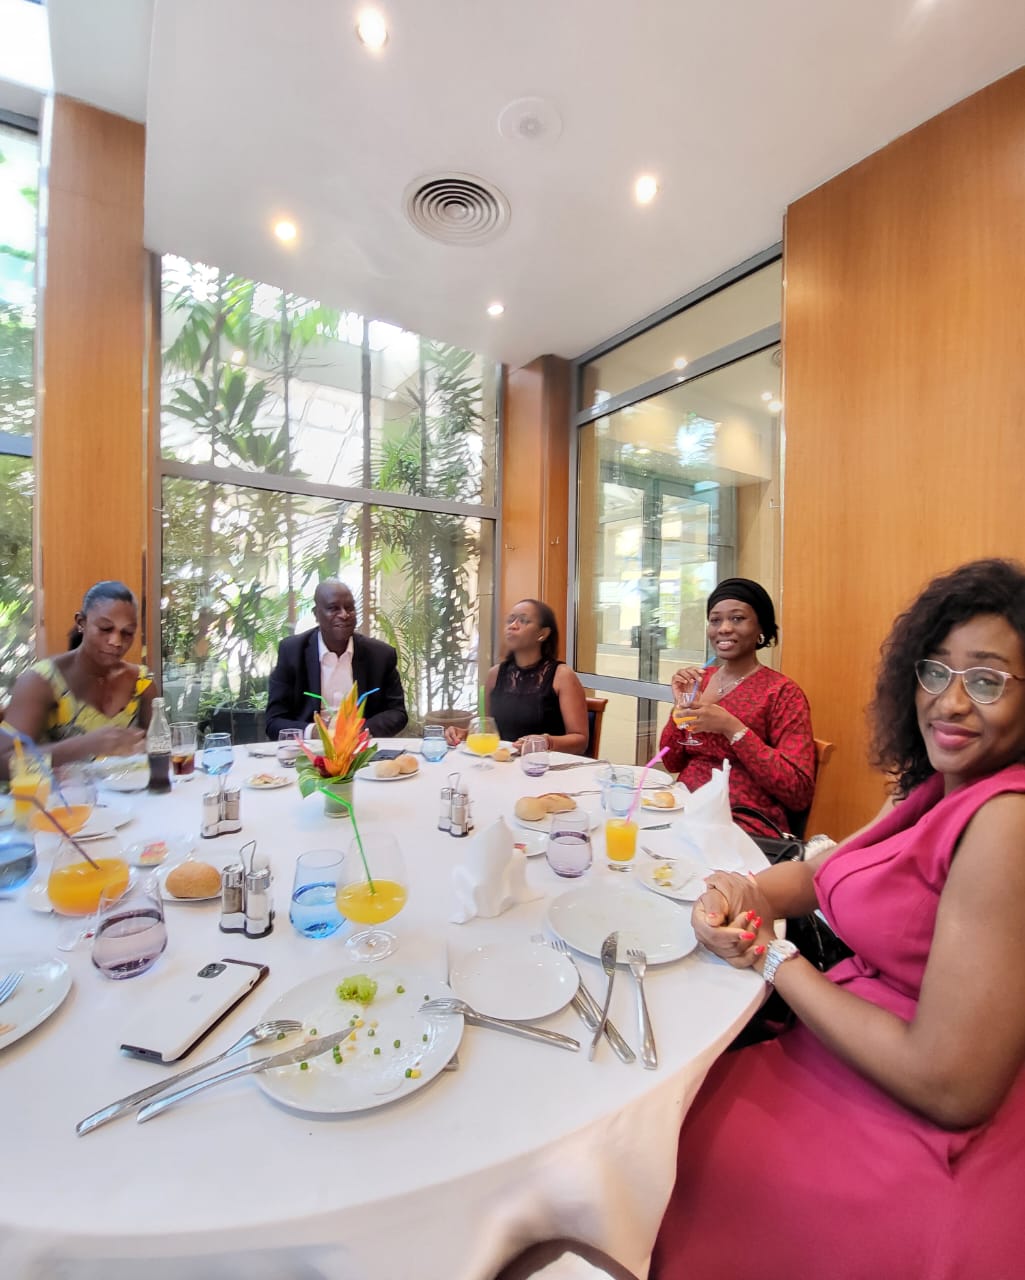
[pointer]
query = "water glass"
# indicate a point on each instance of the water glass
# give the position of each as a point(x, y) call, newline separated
point(620, 830)
point(569, 844)
point(218, 755)
point(534, 757)
point(614, 775)
point(314, 911)
point(130, 931)
point(289, 749)
point(183, 749)
point(434, 747)
point(17, 859)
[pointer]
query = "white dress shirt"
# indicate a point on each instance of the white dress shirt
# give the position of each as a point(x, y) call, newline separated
point(335, 672)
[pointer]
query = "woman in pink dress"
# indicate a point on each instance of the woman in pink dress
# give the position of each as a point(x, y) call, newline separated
point(884, 1135)
point(746, 713)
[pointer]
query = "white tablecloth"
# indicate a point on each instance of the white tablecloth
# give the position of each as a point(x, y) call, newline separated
point(522, 1143)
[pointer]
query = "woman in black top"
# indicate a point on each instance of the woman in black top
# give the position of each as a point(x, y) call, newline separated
point(530, 691)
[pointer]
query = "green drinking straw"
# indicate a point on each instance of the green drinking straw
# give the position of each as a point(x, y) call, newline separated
point(347, 805)
point(480, 706)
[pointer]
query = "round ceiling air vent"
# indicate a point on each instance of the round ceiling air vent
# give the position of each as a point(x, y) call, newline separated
point(530, 120)
point(456, 208)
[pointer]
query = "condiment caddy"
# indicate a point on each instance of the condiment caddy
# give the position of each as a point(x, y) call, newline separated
point(245, 895)
point(455, 813)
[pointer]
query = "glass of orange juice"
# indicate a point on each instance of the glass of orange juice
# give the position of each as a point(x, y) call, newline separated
point(71, 801)
point(482, 740)
point(76, 886)
point(372, 888)
point(30, 779)
point(620, 828)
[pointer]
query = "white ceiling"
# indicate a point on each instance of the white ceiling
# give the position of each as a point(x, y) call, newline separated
point(256, 108)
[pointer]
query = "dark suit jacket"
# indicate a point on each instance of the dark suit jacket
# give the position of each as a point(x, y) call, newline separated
point(374, 666)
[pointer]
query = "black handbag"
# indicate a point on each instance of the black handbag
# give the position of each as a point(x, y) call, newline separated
point(815, 940)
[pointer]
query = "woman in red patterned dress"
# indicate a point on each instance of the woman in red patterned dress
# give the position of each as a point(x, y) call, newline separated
point(751, 715)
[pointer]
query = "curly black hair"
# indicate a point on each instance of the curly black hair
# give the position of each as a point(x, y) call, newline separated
point(982, 586)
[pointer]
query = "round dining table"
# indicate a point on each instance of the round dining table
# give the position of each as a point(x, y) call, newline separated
point(522, 1142)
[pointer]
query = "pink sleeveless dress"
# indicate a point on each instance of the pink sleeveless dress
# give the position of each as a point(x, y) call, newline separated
point(792, 1166)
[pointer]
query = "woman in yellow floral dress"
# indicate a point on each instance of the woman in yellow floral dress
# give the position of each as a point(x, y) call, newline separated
point(89, 701)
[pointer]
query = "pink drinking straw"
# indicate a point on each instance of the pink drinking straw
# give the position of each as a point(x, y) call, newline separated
point(640, 786)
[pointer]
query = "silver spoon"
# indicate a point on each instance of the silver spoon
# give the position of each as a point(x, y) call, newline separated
point(529, 1032)
point(255, 1035)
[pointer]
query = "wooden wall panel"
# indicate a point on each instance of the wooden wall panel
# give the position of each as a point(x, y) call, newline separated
point(93, 464)
point(904, 385)
point(535, 487)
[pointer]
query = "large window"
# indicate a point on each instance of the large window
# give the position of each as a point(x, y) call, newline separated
point(677, 449)
point(19, 173)
point(298, 442)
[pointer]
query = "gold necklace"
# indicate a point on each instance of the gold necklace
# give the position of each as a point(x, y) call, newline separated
point(725, 689)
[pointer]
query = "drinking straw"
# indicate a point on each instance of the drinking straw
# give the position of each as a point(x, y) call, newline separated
point(318, 696)
point(66, 834)
point(347, 805)
point(480, 704)
point(640, 786)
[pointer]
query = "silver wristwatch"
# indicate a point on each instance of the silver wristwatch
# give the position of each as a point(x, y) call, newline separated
point(775, 953)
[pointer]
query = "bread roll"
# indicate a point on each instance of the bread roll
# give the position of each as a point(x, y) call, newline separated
point(531, 808)
point(407, 763)
point(502, 755)
point(387, 769)
point(558, 802)
point(193, 880)
point(662, 799)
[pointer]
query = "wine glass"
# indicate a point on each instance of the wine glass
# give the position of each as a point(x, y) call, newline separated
point(482, 740)
point(218, 757)
point(75, 887)
point(534, 756)
point(71, 801)
point(683, 716)
point(372, 888)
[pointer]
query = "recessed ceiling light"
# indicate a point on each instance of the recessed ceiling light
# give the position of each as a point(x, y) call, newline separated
point(767, 396)
point(680, 362)
point(775, 406)
point(645, 188)
point(495, 308)
point(372, 29)
point(285, 230)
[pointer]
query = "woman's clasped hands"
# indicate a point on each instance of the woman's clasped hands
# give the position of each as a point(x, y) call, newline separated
point(733, 919)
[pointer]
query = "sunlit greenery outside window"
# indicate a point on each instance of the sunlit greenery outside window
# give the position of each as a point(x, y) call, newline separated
point(301, 441)
point(19, 175)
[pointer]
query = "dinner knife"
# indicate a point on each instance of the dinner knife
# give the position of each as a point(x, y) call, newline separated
point(609, 956)
point(574, 764)
point(311, 1049)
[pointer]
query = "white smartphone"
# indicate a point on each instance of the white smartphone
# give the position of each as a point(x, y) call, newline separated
point(172, 1026)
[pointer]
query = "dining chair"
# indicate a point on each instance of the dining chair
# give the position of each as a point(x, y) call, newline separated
point(538, 1256)
point(595, 711)
point(799, 821)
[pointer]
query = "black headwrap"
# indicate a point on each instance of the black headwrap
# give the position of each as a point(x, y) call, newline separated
point(747, 591)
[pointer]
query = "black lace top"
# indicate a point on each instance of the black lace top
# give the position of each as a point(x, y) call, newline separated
point(523, 700)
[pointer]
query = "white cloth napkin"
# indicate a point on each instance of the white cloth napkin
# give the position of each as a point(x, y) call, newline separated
point(708, 831)
point(492, 877)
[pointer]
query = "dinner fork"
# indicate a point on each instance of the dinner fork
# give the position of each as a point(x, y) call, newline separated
point(9, 984)
point(638, 962)
point(585, 1004)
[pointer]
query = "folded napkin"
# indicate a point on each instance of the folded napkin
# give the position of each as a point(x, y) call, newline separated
point(492, 877)
point(708, 831)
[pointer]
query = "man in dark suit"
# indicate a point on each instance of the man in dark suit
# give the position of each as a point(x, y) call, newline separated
point(328, 661)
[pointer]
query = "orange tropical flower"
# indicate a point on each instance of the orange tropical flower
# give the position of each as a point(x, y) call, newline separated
point(345, 747)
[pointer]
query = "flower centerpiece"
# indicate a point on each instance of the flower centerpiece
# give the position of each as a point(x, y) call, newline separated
point(345, 748)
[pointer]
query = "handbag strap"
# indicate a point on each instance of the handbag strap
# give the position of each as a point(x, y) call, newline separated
point(764, 818)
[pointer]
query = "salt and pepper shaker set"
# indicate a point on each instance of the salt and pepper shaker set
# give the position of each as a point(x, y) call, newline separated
point(245, 895)
point(455, 814)
point(222, 813)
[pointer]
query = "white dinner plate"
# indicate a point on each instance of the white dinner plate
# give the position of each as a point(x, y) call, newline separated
point(515, 980)
point(545, 824)
point(104, 821)
point(364, 1079)
point(585, 916)
point(269, 781)
point(121, 773)
point(41, 992)
point(531, 843)
point(367, 774)
point(677, 793)
point(162, 874)
point(681, 879)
